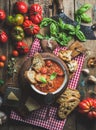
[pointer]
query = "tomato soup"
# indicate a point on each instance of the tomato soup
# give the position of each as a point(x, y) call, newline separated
point(52, 77)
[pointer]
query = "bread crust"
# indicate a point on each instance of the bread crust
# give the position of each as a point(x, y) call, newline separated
point(30, 76)
point(68, 101)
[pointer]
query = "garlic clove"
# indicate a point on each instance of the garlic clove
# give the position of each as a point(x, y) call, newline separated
point(3, 117)
point(92, 79)
point(85, 72)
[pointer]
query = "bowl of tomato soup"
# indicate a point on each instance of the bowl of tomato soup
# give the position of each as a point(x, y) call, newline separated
point(53, 76)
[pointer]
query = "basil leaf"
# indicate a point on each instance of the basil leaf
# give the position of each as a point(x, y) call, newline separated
point(39, 36)
point(53, 76)
point(43, 80)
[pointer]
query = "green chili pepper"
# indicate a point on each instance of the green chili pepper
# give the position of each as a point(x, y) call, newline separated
point(83, 9)
point(85, 18)
point(80, 36)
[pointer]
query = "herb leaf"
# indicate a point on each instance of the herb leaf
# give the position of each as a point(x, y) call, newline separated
point(43, 80)
point(53, 76)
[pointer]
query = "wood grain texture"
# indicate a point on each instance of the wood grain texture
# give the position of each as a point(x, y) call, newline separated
point(74, 121)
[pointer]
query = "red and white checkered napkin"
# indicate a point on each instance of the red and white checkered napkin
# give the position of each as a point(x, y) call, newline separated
point(38, 117)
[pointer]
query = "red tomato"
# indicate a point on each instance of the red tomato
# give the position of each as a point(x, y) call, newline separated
point(30, 28)
point(35, 9)
point(35, 13)
point(1, 64)
point(90, 114)
point(59, 71)
point(48, 63)
point(22, 47)
point(2, 58)
point(88, 106)
point(15, 53)
point(21, 7)
point(3, 36)
point(36, 19)
point(43, 70)
point(2, 15)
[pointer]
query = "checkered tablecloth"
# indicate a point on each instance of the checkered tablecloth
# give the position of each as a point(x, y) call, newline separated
point(38, 117)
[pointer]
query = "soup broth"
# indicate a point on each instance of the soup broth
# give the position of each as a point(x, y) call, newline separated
point(53, 75)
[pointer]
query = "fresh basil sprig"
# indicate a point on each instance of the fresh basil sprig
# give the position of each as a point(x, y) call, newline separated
point(53, 76)
point(43, 80)
point(80, 15)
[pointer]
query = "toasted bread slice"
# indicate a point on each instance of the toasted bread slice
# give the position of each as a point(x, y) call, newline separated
point(37, 62)
point(30, 76)
point(68, 101)
point(66, 108)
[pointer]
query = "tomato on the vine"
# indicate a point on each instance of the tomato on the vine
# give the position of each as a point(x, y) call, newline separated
point(3, 36)
point(2, 15)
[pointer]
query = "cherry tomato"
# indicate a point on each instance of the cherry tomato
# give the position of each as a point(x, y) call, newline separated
point(43, 70)
point(59, 71)
point(48, 63)
point(1, 64)
point(2, 15)
point(2, 58)
point(15, 53)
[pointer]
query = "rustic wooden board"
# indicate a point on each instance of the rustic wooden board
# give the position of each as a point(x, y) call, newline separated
point(74, 121)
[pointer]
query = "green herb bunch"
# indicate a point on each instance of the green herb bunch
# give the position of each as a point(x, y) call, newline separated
point(62, 32)
point(81, 16)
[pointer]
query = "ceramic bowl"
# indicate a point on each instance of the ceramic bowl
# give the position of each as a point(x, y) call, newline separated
point(48, 56)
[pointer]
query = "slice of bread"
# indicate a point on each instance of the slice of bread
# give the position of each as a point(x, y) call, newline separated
point(68, 101)
point(37, 62)
point(30, 76)
point(66, 108)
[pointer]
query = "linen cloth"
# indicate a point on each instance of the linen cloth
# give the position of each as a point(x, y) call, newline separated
point(37, 117)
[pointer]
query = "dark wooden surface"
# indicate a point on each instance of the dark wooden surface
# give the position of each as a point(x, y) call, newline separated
point(75, 121)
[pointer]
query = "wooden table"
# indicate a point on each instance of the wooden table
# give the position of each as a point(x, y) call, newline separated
point(74, 121)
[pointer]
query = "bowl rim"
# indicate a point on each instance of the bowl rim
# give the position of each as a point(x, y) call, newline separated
point(66, 77)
